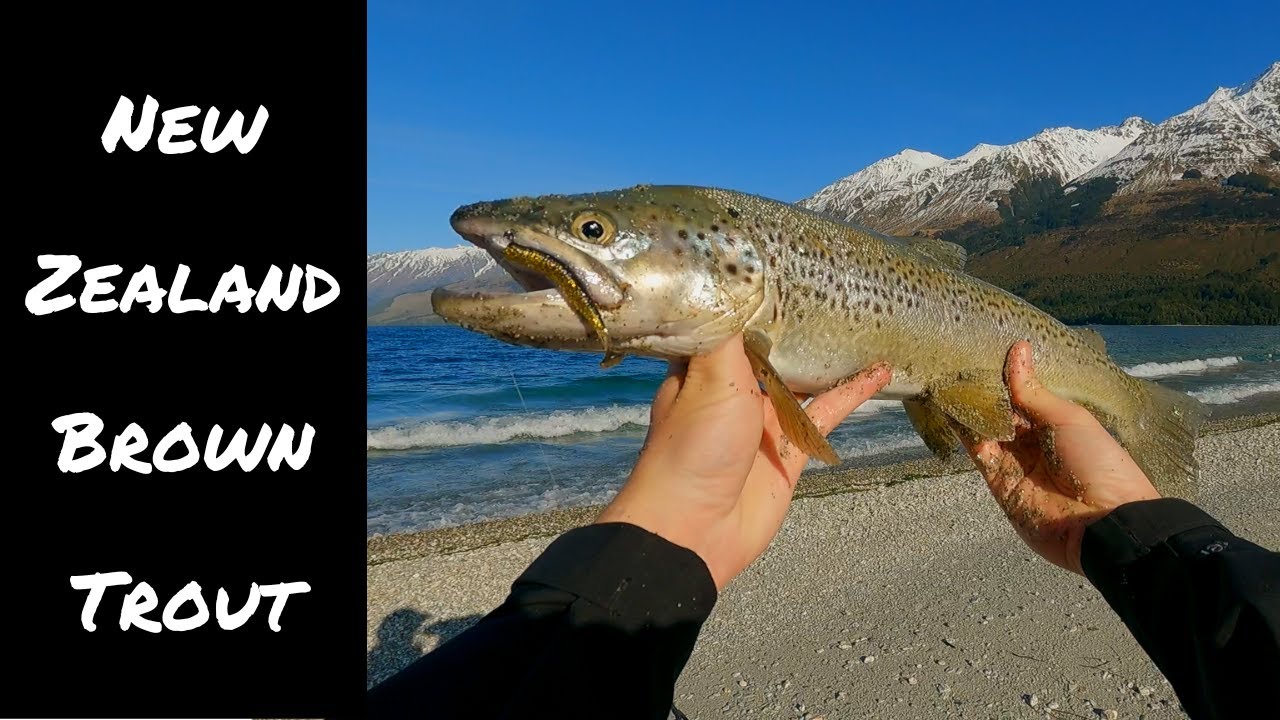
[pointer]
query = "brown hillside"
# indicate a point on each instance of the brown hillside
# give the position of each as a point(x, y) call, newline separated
point(1193, 251)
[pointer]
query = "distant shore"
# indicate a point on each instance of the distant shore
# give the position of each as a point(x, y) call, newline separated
point(897, 594)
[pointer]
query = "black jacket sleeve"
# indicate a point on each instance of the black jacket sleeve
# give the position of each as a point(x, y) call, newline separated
point(600, 625)
point(1203, 603)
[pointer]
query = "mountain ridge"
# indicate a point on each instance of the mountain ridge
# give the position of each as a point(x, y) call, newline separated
point(1234, 130)
point(966, 187)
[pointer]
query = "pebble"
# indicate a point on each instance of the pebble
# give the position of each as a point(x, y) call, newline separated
point(1031, 700)
point(868, 658)
point(742, 683)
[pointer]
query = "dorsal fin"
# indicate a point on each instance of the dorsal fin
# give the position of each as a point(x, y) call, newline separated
point(942, 252)
point(1091, 338)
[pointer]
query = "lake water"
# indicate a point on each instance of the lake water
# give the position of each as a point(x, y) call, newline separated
point(464, 428)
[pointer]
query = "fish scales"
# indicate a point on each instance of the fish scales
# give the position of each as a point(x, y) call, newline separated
point(671, 271)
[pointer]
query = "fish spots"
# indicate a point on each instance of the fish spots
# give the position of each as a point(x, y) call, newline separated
point(733, 213)
point(715, 228)
point(684, 234)
point(702, 236)
point(731, 269)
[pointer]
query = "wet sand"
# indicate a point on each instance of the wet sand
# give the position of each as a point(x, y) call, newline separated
point(893, 591)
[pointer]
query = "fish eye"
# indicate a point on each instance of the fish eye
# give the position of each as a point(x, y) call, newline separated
point(594, 227)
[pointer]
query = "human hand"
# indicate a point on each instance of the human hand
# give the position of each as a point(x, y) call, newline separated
point(1061, 472)
point(716, 474)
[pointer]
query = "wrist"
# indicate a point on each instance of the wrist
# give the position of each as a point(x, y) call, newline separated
point(672, 525)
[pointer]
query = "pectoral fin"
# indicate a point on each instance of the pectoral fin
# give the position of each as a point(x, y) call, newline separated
point(984, 409)
point(795, 422)
point(932, 426)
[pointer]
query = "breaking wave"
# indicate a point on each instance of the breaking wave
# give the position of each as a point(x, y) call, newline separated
point(1227, 394)
point(1154, 369)
point(486, 431)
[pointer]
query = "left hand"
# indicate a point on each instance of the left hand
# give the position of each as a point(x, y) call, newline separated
point(716, 474)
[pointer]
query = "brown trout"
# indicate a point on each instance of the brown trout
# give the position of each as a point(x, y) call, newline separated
point(672, 271)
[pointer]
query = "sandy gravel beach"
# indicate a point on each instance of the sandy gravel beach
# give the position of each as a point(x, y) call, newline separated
point(905, 599)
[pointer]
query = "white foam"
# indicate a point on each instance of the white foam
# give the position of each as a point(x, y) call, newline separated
point(874, 406)
point(1154, 369)
point(491, 504)
point(853, 447)
point(862, 447)
point(484, 431)
point(1227, 394)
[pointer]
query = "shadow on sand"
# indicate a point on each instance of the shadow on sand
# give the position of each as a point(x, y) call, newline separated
point(396, 646)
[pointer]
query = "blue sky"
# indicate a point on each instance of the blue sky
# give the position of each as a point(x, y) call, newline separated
point(481, 100)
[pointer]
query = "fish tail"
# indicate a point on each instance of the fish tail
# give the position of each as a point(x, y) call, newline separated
point(1162, 438)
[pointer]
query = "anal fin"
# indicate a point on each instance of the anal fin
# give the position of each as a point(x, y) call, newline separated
point(984, 409)
point(932, 426)
point(795, 422)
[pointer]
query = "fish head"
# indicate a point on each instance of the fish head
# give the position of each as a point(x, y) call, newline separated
point(649, 270)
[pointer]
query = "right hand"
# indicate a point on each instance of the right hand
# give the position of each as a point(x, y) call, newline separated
point(1061, 472)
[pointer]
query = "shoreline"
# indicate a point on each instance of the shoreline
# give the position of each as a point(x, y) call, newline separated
point(877, 472)
point(897, 599)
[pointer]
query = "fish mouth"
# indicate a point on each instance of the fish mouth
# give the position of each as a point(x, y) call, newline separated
point(480, 225)
point(567, 292)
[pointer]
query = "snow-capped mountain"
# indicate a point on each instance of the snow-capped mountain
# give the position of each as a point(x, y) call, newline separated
point(1228, 133)
point(914, 190)
point(1232, 131)
point(396, 273)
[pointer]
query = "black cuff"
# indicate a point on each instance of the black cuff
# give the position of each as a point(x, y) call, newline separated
point(1131, 531)
point(640, 578)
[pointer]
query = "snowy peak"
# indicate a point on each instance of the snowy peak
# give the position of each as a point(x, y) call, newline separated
point(395, 273)
point(942, 192)
point(910, 160)
point(1232, 131)
point(856, 189)
point(979, 151)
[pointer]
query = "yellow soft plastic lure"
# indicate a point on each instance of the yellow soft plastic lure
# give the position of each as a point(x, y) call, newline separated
point(570, 290)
